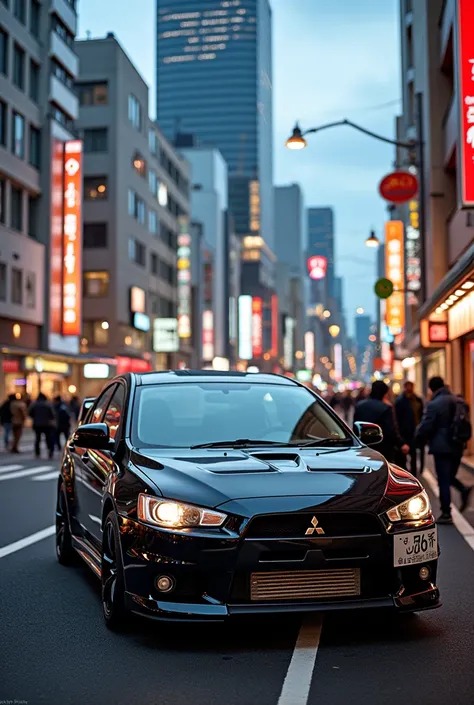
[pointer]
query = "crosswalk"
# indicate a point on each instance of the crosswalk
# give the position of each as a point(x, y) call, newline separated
point(36, 473)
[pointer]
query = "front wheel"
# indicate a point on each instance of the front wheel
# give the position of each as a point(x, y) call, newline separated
point(112, 576)
point(64, 550)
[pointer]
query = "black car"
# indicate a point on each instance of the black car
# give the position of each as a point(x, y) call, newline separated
point(85, 406)
point(200, 495)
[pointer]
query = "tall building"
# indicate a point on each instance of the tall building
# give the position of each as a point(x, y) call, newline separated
point(437, 45)
point(38, 106)
point(214, 80)
point(321, 242)
point(136, 219)
point(362, 333)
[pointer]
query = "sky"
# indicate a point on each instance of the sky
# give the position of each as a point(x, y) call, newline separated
point(332, 59)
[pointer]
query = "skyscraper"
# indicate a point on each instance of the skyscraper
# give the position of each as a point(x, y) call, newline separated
point(321, 242)
point(214, 80)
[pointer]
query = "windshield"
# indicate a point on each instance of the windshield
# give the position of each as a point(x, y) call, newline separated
point(184, 415)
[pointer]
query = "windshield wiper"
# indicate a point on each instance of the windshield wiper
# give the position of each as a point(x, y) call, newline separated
point(238, 443)
point(324, 442)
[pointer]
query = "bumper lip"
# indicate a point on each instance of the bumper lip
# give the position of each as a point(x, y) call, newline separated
point(197, 612)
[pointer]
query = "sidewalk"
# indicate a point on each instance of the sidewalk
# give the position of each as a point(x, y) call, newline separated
point(27, 443)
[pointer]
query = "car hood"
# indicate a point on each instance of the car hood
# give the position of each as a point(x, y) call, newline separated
point(355, 477)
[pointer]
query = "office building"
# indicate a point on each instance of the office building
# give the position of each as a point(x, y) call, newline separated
point(437, 49)
point(320, 222)
point(362, 333)
point(136, 219)
point(214, 80)
point(38, 106)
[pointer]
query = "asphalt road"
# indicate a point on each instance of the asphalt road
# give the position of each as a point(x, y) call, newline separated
point(55, 650)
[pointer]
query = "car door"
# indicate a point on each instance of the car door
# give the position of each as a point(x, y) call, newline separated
point(82, 461)
point(99, 464)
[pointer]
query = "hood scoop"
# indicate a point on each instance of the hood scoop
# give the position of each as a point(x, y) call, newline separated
point(282, 461)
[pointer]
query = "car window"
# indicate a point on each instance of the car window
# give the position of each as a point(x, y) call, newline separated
point(114, 413)
point(96, 414)
point(181, 415)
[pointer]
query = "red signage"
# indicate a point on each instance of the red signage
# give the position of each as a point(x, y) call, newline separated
point(275, 314)
point(465, 70)
point(11, 366)
point(72, 245)
point(317, 266)
point(56, 253)
point(257, 326)
point(399, 187)
point(438, 332)
point(130, 364)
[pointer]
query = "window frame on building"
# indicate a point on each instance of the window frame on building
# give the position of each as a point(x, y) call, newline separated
point(93, 184)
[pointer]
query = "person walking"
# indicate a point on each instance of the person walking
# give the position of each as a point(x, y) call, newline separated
point(19, 415)
point(41, 411)
point(347, 405)
point(378, 409)
point(75, 407)
point(63, 421)
point(445, 427)
point(409, 411)
point(6, 420)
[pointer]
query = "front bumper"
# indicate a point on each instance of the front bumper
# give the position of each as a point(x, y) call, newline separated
point(212, 573)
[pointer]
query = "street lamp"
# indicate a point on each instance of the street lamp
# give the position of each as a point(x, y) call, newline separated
point(296, 141)
point(372, 240)
point(334, 331)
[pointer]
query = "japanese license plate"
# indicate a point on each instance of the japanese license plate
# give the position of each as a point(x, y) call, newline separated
point(415, 547)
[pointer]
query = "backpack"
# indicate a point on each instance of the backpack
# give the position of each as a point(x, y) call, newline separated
point(461, 430)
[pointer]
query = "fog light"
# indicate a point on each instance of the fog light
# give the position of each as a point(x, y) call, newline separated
point(165, 584)
point(424, 573)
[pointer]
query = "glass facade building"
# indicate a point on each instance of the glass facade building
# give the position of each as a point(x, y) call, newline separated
point(214, 80)
point(321, 242)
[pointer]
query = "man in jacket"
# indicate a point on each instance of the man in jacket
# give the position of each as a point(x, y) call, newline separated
point(409, 410)
point(19, 414)
point(436, 430)
point(377, 409)
point(63, 421)
point(6, 419)
point(44, 424)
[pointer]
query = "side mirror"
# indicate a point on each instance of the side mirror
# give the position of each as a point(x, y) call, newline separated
point(92, 435)
point(368, 433)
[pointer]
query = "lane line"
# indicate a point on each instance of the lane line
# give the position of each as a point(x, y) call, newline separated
point(461, 524)
point(26, 473)
point(10, 468)
point(297, 682)
point(27, 541)
point(49, 476)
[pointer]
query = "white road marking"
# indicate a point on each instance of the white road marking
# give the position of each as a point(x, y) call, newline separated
point(27, 541)
point(461, 524)
point(297, 682)
point(48, 476)
point(10, 468)
point(26, 473)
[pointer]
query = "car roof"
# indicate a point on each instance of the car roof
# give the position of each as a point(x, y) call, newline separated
point(189, 376)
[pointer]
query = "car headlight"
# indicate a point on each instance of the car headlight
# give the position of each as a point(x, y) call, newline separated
point(415, 508)
point(176, 515)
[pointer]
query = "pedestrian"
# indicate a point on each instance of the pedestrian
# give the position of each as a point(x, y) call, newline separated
point(409, 410)
point(6, 420)
point(347, 405)
point(44, 423)
point(445, 427)
point(19, 415)
point(378, 409)
point(75, 407)
point(63, 421)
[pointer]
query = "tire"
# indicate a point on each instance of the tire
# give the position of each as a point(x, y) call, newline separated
point(112, 576)
point(65, 553)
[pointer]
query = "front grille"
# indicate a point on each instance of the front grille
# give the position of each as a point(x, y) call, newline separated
point(305, 584)
point(296, 525)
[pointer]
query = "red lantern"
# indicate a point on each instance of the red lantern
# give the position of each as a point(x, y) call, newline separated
point(399, 186)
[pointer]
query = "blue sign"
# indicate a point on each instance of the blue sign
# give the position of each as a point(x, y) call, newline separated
point(141, 322)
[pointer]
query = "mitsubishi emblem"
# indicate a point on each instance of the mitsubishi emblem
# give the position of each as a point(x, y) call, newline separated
point(314, 528)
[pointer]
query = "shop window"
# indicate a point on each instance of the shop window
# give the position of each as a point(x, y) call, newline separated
point(19, 67)
point(139, 164)
point(94, 235)
point(95, 188)
point(30, 288)
point(114, 413)
point(3, 281)
point(96, 284)
point(16, 215)
point(17, 286)
point(93, 93)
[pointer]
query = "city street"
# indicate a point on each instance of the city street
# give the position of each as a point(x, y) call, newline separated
point(56, 650)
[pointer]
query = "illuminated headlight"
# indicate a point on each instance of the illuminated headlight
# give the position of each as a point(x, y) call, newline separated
point(176, 515)
point(415, 508)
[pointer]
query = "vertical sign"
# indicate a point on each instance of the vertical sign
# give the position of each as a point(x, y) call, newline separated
point(207, 335)
point(309, 350)
point(288, 346)
point(413, 254)
point(338, 362)
point(465, 82)
point(257, 327)
point(254, 198)
point(184, 279)
point(72, 245)
point(395, 271)
point(56, 256)
point(245, 327)
point(275, 332)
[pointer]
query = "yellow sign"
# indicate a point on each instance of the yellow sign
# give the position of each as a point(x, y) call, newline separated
point(395, 271)
point(41, 365)
point(254, 188)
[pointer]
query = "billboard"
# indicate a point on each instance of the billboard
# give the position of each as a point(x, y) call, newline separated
point(317, 267)
point(257, 326)
point(165, 335)
point(395, 272)
point(245, 327)
point(465, 82)
point(184, 279)
point(71, 315)
point(56, 252)
point(207, 335)
point(309, 350)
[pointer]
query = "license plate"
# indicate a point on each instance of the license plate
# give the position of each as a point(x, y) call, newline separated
point(415, 547)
